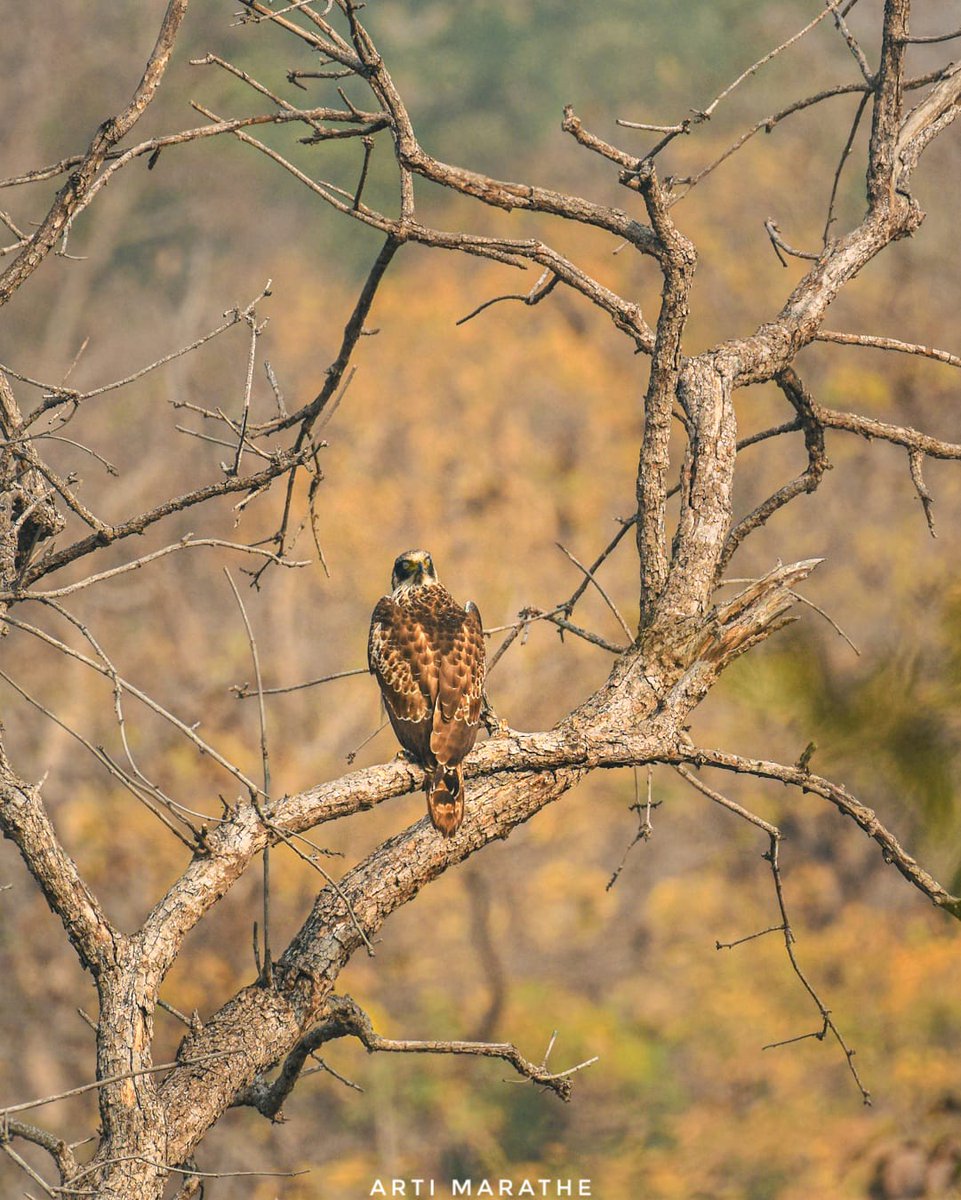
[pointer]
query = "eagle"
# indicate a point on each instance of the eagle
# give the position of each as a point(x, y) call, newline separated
point(428, 656)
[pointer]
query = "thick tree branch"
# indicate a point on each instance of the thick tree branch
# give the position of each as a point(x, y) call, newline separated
point(24, 821)
point(677, 262)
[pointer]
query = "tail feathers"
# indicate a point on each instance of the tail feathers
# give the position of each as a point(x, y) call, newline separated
point(445, 799)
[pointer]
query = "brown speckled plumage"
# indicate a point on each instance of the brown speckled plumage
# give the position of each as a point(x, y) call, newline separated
point(428, 656)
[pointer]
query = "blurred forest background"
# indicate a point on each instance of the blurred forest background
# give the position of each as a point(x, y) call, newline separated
point(487, 443)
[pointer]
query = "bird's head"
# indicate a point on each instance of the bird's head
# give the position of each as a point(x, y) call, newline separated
point(412, 569)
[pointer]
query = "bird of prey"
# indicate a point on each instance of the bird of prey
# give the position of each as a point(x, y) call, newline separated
point(428, 656)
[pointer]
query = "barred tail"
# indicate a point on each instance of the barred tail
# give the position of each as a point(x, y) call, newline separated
point(445, 799)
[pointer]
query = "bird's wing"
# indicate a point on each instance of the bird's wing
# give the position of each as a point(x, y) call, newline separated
point(460, 686)
point(399, 655)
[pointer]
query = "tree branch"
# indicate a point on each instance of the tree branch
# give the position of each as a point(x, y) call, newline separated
point(24, 821)
point(843, 801)
point(72, 194)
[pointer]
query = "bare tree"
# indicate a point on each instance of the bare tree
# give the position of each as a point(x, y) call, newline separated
point(254, 1049)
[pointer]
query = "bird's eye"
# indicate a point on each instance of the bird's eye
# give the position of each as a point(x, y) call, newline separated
point(428, 565)
point(408, 567)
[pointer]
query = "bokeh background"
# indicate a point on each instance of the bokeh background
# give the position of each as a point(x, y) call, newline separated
point(488, 443)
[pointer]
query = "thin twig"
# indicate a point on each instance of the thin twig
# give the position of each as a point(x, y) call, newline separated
point(311, 860)
point(916, 462)
point(857, 53)
point(58, 395)
point(25, 1166)
point(592, 578)
point(645, 830)
point(268, 967)
point(830, 10)
point(242, 691)
point(778, 243)
point(108, 1079)
point(774, 836)
point(884, 343)
point(101, 757)
point(255, 330)
point(152, 704)
point(789, 939)
point(104, 535)
point(852, 134)
point(541, 289)
point(187, 542)
point(935, 37)
point(827, 616)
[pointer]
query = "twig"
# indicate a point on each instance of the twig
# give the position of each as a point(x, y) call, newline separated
point(108, 1079)
point(108, 134)
point(778, 243)
point(645, 829)
point(857, 53)
point(152, 704)
point(255, 330)
point(611, 546)
point(845, 803)
point(104, 535)
point(568, 627)
point(827, 616)
point(543, 288)
point(182, 1169)
point(899, 435)
point(187, 542)
point(725, 802)
point(267, 976)
point(789, 939)
point(767, 124)
point(177, 810)
point(323, 1065)
point(801, 600)
point(749, 937)
point(882, 343)
point(295, 76)
point(53, 437)
point(701, 115)
point(275, 388)
point(272, 16)
point(852, 134)
point(350, 1020)
point(352, 754)
point(57, 1148)
point(935, 37)
point(774, 836)
point(680, 127)
point(830, 10)
point(175, 1012)
point(25, 1166)
point(593, 579)
point(101, 757)
point(915, 462)
point(311, 860)
point(368, 144)
point(242, 692)
point(58, 394)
